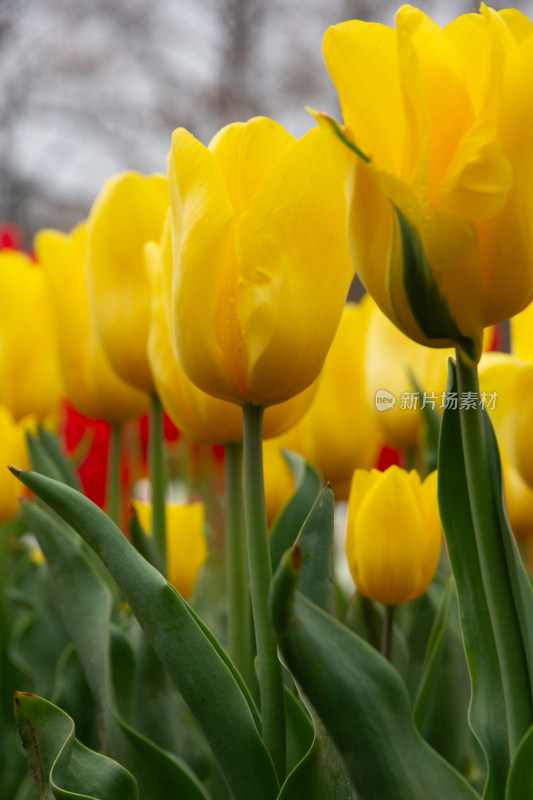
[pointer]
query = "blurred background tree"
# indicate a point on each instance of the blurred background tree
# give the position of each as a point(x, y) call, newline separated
point(92, 87)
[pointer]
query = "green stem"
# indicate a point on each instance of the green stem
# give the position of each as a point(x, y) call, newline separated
point(240, 632)
point(387, 633)
point(492, 559)
point(113, 474)
point(270, 676)
point(158, 476)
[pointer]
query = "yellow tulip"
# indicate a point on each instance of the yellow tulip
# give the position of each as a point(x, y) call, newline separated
point(15, 452)
point(522, 334)
point(340, 433)
point(91, 385)
point(129, 212)
point(441, 196)
point(392, 361)
point(510, 381)
point(279, 480)
point(393, 538)
point(261, 261)
point(200, 416)
point(186, 543)
point(30, 380)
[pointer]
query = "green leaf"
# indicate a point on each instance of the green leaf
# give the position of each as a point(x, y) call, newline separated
point(488, 711)
point(52, 445)
point(361, 700)
point(220, 703)
point(520, 782)
point(60, 765)
point(41, 461)
point(85, 605)
point(441, 710)
point(289, 521)
point(316, 545)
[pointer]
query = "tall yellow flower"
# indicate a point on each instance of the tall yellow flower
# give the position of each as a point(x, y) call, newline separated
point(13, 450)
point(412, 374)
point(200, 416)
point(91, 385)
point(186, 543)
point(441, 202)
point(129, 211)
point(261, 261)
point(30, 381)
point(340, 432)
point(394, 536)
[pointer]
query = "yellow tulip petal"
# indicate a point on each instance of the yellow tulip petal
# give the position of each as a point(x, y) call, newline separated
point(388, 537)
point(30, 381)
point(245, 153)
point(205, 271)
point(91, 385)
point(361, 59)
point(186, 543)
point(432, 529)
point(129, 211)
point(279, 480)
point(362, 481)
point(14, 452)
point(293, 252)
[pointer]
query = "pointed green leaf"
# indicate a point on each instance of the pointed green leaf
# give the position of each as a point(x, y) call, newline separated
point(41, 461)
point(85, 604)
point(60, 765)
point(488, 711)
point(441, 709)
point(219, 702)
point(520, 782)
point(316, 543)
point(292, 517)
point(361, 700)
point(52, 445)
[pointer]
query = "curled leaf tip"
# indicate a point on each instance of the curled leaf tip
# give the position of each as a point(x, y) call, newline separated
point(16, 472)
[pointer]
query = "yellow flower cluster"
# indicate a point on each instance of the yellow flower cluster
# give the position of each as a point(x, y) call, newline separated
point(223, 284)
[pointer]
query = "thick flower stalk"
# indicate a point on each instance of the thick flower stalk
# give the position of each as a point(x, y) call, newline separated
point(440, 191)
point(394, 536)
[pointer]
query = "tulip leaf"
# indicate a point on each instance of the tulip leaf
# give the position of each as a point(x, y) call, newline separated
point(492, 582)
point(60, 765)
point(51, 444)
point(85, 604)
point(360, 698)
point(316, 544)
point(41, 460)
point(520, 781)
point(220, 703)
point(289, 521)
point(487, 708)
point(441, 708)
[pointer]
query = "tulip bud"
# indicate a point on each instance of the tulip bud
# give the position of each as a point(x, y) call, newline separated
point(393, 538)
